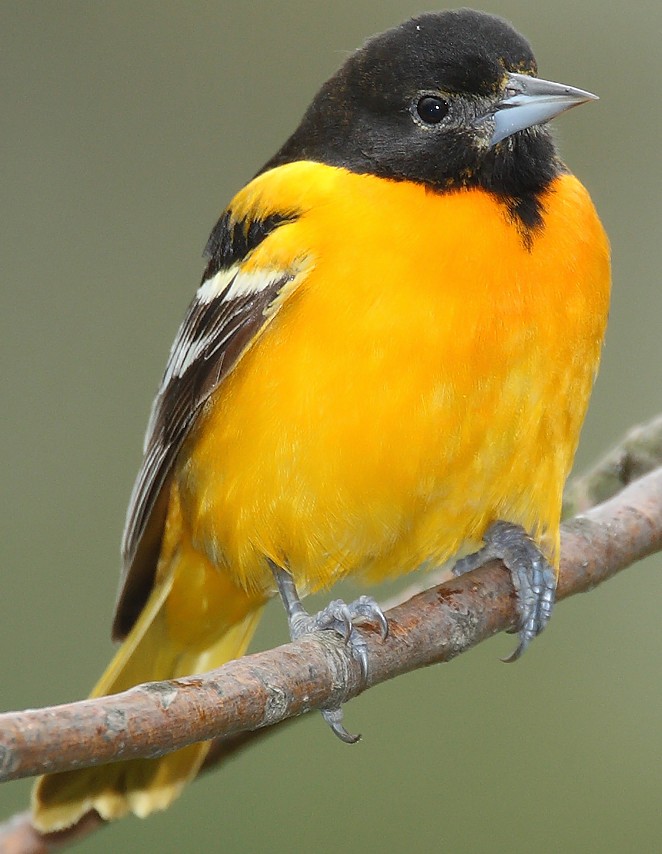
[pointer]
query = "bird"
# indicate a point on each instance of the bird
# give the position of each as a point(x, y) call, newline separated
point(386, 366)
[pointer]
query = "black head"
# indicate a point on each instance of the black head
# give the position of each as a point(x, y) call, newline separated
point(415, 103)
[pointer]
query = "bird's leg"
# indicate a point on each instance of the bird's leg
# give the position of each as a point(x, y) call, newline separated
point(533, 577)
point(338, 617)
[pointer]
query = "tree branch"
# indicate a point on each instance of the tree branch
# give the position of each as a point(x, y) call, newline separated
point(639, 452)
point(260, 690)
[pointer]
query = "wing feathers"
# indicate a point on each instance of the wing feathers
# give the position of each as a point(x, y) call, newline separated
point(227, 313)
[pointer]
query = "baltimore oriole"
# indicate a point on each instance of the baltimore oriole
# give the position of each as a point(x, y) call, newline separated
point(389, 358)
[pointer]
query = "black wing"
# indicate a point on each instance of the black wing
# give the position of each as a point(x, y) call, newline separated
point(226, 314)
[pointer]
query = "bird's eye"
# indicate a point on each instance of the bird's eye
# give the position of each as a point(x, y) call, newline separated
point(431, 109)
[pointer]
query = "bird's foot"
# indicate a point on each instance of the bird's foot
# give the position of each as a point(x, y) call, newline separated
point(340, 618)
point(533, 577)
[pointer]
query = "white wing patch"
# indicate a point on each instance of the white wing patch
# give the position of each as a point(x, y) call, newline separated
point(225, 287)
point(215, 285)
point(233, 283)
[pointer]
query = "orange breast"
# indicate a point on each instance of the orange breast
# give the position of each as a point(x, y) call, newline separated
point(429, 375)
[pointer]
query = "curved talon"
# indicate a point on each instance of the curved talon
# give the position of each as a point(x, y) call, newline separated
point(383, 626)
point(359, 650)
point(367, 610)
point(518, 652)
point(334, 719)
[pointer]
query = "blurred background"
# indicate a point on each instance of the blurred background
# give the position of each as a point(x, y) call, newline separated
point(126, 128)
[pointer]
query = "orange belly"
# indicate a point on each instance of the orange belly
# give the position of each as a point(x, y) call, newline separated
point(430, 375)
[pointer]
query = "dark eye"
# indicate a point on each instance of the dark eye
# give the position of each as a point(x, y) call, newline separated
point(431, 109)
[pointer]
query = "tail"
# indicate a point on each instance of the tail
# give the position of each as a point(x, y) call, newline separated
point(187, 626)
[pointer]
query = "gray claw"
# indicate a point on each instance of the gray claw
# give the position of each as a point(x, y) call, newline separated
point(519, 650)
point(334, 719)
point(359, 650)
point(340, 618)
point(366, 610)
point(337, 617)
point(533, 578)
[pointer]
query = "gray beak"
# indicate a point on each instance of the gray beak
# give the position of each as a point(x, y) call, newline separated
point(530, 101)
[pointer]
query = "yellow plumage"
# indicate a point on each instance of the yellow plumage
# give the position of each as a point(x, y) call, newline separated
point(402, 396)
point(399, 398)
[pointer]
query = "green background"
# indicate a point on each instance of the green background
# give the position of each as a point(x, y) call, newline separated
point(125, 129)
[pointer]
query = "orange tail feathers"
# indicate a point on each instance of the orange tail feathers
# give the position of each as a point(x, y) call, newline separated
point(195, 620)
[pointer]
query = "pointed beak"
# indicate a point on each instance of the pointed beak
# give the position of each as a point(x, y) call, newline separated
point(529, 101)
